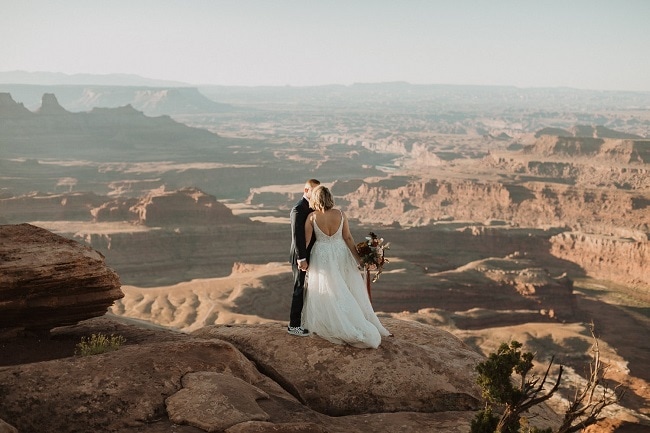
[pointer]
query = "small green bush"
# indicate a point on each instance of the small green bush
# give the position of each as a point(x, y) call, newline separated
point(99, 343)
point(484, 422)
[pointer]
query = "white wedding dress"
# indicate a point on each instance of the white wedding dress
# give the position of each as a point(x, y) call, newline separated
point(337, 307)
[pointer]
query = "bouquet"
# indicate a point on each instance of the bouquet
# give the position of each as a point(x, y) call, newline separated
point(371, 252)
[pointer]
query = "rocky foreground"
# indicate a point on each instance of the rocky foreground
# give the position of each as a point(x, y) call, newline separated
point(236, 377)
point(245, 378)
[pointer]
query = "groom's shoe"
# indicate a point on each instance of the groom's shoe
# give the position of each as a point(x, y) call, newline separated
point(297, 330)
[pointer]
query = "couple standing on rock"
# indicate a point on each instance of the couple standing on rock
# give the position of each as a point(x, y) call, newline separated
point(329, 294)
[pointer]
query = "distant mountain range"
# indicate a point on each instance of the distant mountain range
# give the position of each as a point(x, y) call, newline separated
point(113, 134)
point(58, 78)
point(152, 101)
point(82, 92)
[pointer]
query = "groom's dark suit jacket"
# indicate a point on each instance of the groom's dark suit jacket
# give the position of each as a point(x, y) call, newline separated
point(299, 214)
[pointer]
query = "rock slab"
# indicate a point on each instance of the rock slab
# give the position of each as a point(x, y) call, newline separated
point(421, 369)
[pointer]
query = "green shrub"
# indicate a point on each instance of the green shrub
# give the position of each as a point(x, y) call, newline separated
point(99, 343)
point(484, 422)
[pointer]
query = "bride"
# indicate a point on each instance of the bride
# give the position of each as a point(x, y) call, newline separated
point(337, 307)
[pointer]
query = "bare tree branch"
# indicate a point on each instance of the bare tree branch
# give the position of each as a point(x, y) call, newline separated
point(586, 407)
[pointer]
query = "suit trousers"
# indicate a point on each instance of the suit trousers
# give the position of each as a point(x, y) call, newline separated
point(295, 316)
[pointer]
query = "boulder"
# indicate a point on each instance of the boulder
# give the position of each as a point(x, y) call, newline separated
point(215, 401)
point(48, 281)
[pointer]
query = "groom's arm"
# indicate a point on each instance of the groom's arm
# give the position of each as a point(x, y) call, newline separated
point(298, 218)
point(309, 229)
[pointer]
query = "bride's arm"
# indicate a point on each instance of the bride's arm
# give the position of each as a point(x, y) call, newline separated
point(349, 240)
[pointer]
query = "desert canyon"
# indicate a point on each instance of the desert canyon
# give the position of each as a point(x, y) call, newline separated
point(512, 214)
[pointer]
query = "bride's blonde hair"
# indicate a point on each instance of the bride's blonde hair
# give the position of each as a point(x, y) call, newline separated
point(321, 198)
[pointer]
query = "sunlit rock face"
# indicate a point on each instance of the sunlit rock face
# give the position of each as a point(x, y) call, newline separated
point(48, 281)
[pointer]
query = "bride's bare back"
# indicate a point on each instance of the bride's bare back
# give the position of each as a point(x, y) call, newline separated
point(328, 221)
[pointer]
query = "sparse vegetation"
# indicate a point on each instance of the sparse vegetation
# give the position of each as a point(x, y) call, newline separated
point(99, 343)
point(510, 399)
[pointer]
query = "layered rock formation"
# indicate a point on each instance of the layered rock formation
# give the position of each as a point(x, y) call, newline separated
point(537, 289)
point(586, 131)
point(70, 206)
point(583, 162)
point(529, 204)
point(607, 212)
point(185, 207)
point(48, 281)
point(623, 151)
point(159, 208)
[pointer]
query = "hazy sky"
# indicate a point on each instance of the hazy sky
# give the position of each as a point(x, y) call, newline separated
point(587, 44)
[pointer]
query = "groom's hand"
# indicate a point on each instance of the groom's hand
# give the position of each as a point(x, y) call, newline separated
point(302, 264)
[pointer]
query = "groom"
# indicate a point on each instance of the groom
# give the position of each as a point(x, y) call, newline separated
point(299, 257)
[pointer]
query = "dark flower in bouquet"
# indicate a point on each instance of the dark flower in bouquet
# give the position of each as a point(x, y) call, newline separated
point(372, 256)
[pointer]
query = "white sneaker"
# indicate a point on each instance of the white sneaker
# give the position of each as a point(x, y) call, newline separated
point(298, 331)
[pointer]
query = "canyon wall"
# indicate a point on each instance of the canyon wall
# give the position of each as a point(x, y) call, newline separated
point(624, 260)
point(526, 204)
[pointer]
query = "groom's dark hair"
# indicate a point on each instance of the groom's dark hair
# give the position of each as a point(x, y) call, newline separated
point(313, 182)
